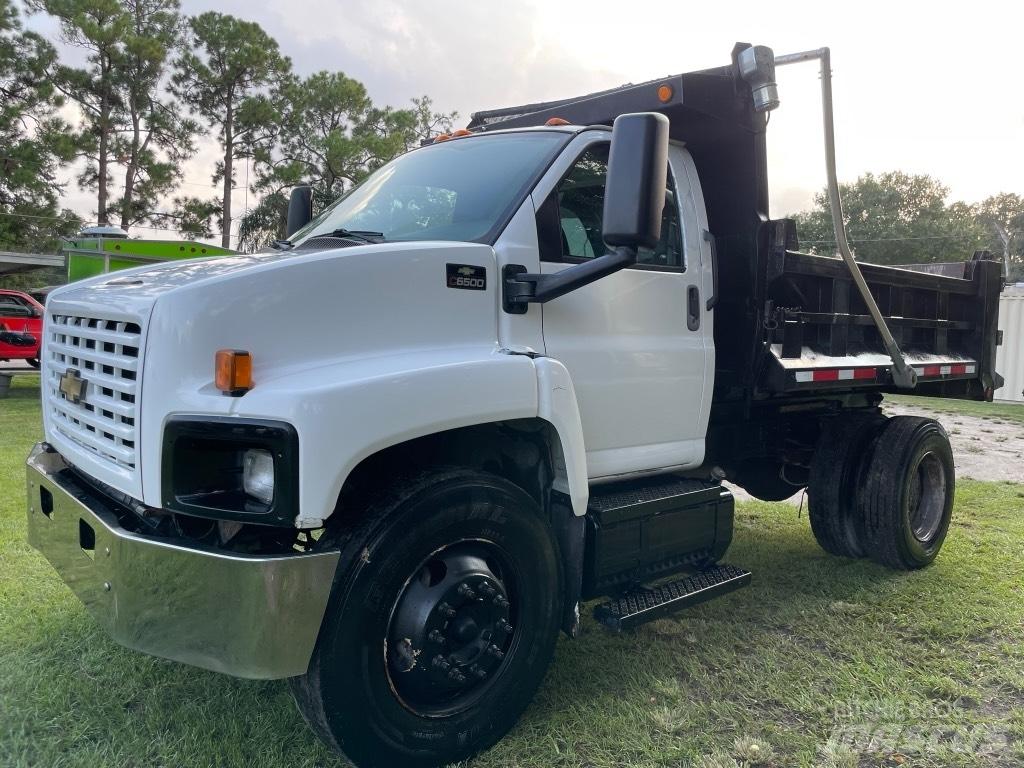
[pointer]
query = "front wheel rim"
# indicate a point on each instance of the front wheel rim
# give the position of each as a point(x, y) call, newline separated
point(452, 629)
point(927, 497)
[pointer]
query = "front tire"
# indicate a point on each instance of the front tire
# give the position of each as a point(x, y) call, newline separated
point(34, 362)
point(441, 624)
point(907, 497)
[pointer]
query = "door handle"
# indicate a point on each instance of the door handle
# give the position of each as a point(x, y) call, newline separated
point(693, 308)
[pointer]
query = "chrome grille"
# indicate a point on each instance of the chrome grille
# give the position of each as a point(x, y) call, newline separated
point(106, 354)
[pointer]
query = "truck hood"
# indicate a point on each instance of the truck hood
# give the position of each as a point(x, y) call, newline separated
point(142, 285)
point(295, 308)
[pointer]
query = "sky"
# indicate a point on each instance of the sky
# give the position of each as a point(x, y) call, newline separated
point(919, 87)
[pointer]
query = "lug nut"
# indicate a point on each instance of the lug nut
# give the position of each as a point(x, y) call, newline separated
point(441, 663)
point(501, 602)
point(446, 610)
point(435, 637)
point(496, 652)
point(466, 591)
point(481, 674)
point(486, 590)
point(504, 626)
point(456, 676)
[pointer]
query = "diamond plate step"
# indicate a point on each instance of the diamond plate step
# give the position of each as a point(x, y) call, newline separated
point(645, 604)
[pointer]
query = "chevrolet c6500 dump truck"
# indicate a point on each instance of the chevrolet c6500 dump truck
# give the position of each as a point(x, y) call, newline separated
point(520, 362)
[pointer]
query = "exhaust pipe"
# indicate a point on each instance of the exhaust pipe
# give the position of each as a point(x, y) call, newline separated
point(757, 67)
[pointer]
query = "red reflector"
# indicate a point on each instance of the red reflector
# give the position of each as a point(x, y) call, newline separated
point(933, 370)
point(827, 375)
point(958, 370)
point(863, 373)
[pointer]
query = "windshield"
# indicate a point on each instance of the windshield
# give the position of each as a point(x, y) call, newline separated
point(461, 189)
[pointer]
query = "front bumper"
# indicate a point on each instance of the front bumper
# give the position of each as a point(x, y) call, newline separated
point(251, 616)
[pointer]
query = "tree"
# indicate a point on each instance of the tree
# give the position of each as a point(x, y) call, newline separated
point(330, 136)
point(1002, 217)
point(97, 27)
point(895, 218)
point(126, 120)
point(155, 142)
point(226, 85)
point(33, 140)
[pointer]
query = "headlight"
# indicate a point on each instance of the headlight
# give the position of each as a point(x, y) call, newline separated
point(245, 470)
point(258, 474)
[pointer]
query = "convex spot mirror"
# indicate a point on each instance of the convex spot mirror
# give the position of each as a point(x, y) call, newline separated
point(637, 173)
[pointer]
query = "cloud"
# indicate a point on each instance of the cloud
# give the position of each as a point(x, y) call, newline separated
point(921, 90)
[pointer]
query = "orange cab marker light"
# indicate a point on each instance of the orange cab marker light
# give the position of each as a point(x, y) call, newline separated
point(557, 121)
point(441, 137)
point(664, 93)
point(461, 132)
point(233, 371)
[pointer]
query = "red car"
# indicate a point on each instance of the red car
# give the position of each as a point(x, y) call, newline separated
point(21, 327)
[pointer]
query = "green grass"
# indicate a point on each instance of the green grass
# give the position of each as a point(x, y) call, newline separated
point(1002, 411)
point(816, 644)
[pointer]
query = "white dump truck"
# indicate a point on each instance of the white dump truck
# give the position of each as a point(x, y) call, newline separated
point(391, 457)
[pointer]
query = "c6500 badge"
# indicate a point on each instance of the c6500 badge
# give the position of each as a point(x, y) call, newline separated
point(467, 277)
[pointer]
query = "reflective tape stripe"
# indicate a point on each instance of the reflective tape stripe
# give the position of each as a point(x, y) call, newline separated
point(862, 374)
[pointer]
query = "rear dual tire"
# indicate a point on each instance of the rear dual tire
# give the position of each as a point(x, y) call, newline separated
point(837, 472)
point(883, 489)
point(907, 499)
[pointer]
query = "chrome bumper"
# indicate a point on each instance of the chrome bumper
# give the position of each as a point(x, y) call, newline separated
point(246, 615)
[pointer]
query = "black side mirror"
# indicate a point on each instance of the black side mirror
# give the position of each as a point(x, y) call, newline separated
point(300, 209)
point(634, 196)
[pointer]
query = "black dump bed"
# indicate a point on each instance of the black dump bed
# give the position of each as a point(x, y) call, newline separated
point(789, 324)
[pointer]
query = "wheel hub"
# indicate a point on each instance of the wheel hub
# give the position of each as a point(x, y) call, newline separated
point(926, 497)
point(451, 628)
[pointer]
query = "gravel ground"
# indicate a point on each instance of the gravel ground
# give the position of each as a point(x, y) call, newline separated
point(984, 448)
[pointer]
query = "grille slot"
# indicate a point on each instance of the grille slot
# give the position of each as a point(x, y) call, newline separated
point(106, 354)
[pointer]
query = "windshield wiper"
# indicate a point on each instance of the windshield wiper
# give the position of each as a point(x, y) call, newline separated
point(282, 245)
point(366, 235)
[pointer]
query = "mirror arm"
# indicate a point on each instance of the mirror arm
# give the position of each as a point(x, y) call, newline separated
point(521, 288)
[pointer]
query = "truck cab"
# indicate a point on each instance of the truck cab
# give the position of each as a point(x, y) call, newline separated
point(520, 362)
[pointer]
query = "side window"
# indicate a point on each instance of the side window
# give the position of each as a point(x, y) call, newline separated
point(581, 206)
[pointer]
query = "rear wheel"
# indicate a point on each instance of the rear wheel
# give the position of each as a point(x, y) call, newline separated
point(837, 471)
point(441, 623)
point(34, 362)
point(907, 497)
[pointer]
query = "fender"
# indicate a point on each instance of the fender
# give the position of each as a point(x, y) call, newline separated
point(376, 403)
point(557, 405)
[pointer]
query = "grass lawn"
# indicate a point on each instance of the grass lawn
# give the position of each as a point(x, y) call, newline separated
point(818, 655)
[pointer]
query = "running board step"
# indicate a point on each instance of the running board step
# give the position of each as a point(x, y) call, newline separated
point(644, 604)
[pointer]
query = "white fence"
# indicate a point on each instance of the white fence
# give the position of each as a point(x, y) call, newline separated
point(1010, 357)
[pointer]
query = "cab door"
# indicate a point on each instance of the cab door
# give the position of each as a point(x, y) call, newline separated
point(634, 342)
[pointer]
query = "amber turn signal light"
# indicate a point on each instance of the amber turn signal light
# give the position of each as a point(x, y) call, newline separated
point(233, 371)
point(664, 93)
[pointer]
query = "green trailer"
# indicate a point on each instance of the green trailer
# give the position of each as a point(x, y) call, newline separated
point(107, 249)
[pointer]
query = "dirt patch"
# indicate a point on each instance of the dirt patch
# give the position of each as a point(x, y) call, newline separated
point(984, 448)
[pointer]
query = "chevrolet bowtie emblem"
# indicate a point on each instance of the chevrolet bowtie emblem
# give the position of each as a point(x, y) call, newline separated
point(73, 386)
point(467, 271)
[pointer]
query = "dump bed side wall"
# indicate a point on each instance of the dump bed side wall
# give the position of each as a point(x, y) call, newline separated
point(817, 323)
